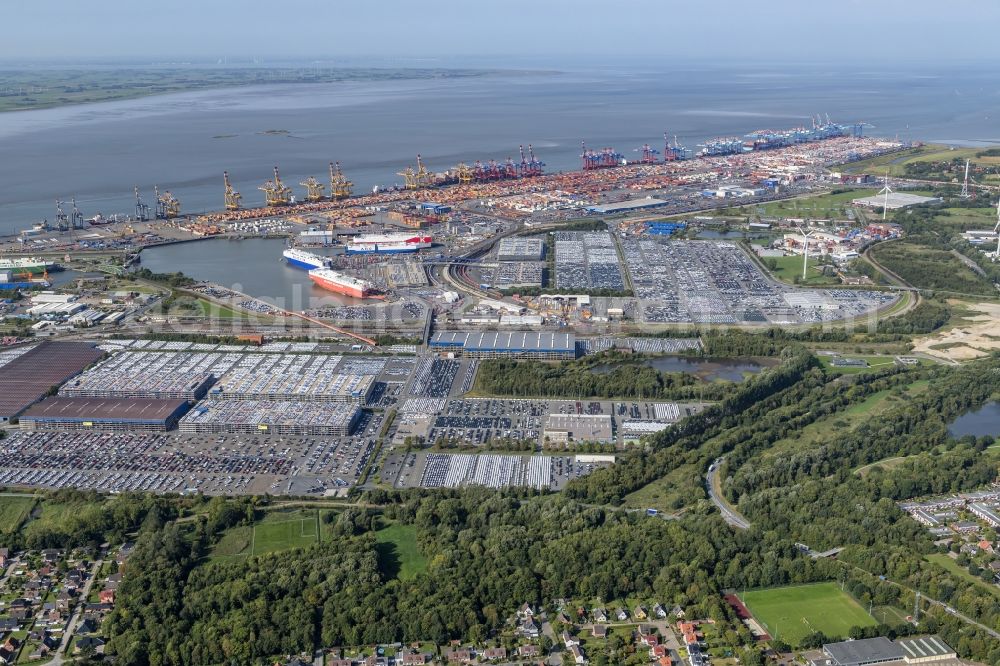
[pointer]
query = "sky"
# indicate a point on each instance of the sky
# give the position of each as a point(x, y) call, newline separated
point(518, 32)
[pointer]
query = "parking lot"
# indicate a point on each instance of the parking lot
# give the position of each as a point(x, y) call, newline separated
point(444, 470)
point(716, 282)
point(587, 260)
point(118, 462)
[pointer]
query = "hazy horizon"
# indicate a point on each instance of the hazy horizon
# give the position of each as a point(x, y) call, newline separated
point(517, 33)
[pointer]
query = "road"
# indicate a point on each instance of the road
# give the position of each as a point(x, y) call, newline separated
point(729, 514)
point(77, 614)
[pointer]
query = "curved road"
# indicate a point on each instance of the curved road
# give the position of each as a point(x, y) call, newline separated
point(729, 514)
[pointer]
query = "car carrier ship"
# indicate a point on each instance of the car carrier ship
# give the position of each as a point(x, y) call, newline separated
point(340, 283)
point(387, 243)
point(26, 265)
point(303, 259)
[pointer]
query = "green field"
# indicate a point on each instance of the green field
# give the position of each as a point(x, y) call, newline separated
point(896, 161)
point(946, 562)
point(13, 512)
point(789, 270)
point(277, 531)
point(792, 613)
point(822, 206)
point(398, 552)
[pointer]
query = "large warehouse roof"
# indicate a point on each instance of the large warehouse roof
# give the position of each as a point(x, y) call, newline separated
point(862, 652)
point(30, 376)
point(132, 410)
point(895, 200)
point(514, 341)
point(634, 204)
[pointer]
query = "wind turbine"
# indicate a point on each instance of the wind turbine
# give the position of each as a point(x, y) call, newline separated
point(886, 191)
point(805, 255)
point(965, 182)
point(996, 229)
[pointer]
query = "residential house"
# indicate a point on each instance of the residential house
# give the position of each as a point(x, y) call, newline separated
point(51, 555)
point(4, 557)
point(460, 656)
point(107, 596)
point(494, 653)
point(599, 631)
point(529, 651)
point(563, 618)
point(343, 662)
point(528, 628)
point(640, 613)
point(414, 658)
point(621, 614)
point(657, 651)
point(578, 656)
point(568, 639)
point(600, 615)
point(526, 611)
point(88, 643)
point(9, 624)
point(649, 640)
point(88, 626)
point(659, 611)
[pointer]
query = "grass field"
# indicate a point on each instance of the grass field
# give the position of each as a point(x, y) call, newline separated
point(822, 206)
point(944, 561)
point(896, 161)
point(874, 363)
point(792, 613)
point(277, 531)
point(399, 555)
point(13, 512)
point(789, 271)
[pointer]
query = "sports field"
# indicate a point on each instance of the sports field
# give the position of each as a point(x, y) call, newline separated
point(792, 613)
point(277, 531)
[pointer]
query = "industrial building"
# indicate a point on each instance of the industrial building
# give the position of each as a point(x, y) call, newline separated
point(894, 200)
point(520, 248)
point(881, 650)
point(113, 415)
point(625, 206)
point(255, 384)
point(515, 344)
point(99, 383)
point(262, 417)
point(27, 378)
point(579, 428)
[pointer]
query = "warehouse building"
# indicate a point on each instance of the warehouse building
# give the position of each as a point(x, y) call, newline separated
point(112, 415)
point(514, 344)
point(520, 248)
point(871, 651)
point(262, 417)
point(241, 385)
point(894, 201)
point(27, 378)
point(578, 428)
point(626, 206)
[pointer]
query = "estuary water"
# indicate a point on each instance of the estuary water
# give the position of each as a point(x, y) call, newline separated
point(184, 141)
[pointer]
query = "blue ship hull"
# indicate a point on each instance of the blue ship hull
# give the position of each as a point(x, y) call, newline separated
point(302, 264)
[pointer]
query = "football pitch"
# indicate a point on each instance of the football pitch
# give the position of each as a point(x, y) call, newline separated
point(269, 536)
point(792, 613)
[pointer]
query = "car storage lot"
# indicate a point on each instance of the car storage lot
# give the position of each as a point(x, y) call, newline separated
point(119, 462)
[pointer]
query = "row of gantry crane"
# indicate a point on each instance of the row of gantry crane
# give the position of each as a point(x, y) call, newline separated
point(276, 193)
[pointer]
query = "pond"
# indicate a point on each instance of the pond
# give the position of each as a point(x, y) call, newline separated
point(983, 421)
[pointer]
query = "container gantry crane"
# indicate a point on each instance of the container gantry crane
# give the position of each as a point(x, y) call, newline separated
point(464, 173)
point(167, 205)
point(231, 196)
point(535, 165)
point(76, 217)
point(649, 154)
point(276, 193)
point(314, 189)
point(141, 208)
point(340, 187)
point(62, 220)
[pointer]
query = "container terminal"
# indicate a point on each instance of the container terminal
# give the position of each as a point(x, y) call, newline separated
point(453, 250)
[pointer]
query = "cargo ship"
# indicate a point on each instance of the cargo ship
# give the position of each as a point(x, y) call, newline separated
point(302, 259)
point(387, 244)
point(32, 265)
point(340, 283)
